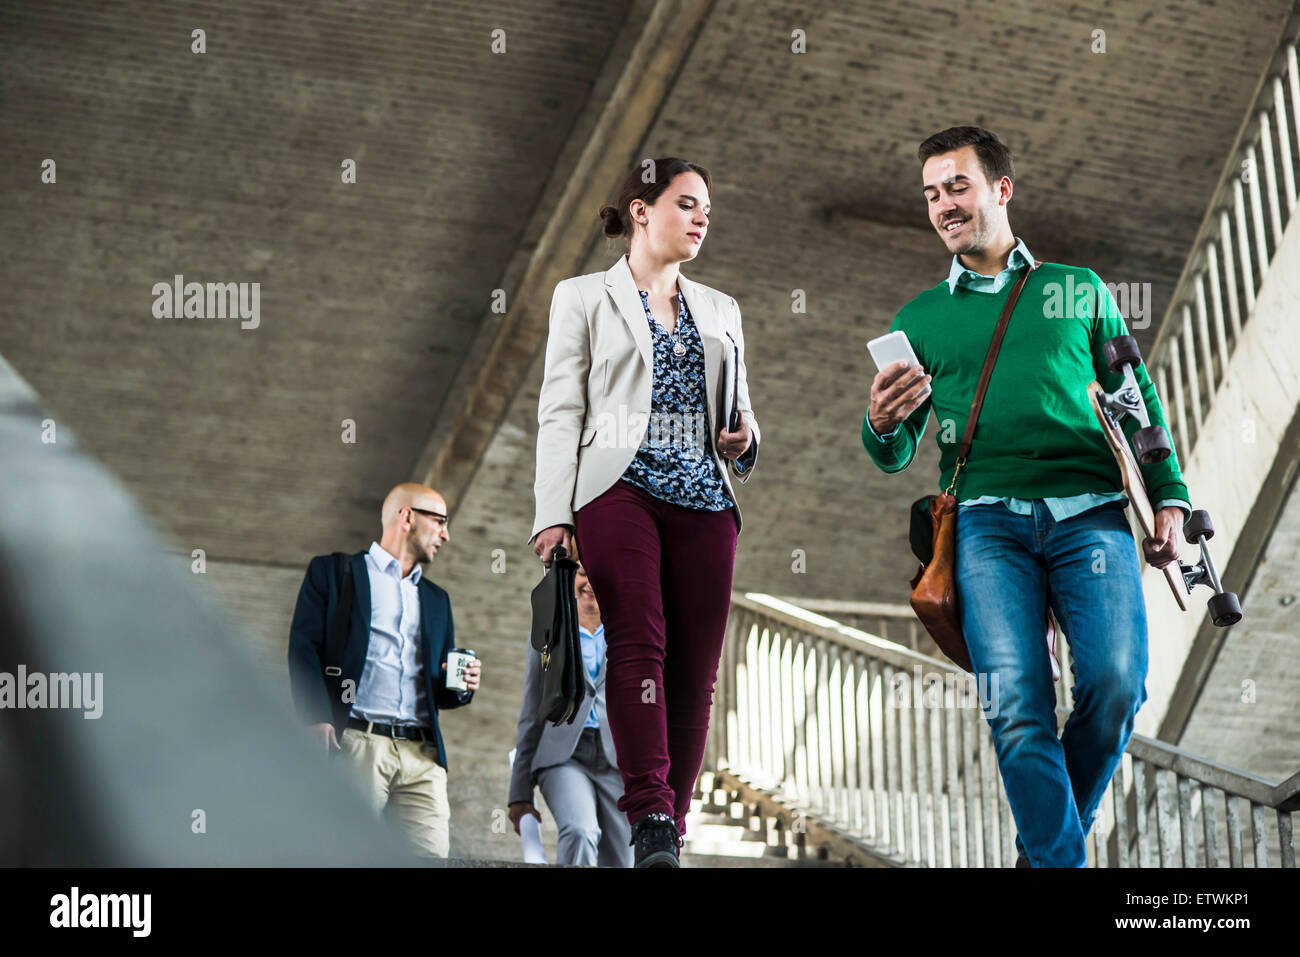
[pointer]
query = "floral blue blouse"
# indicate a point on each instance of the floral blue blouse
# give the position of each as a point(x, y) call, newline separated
point(675, 462)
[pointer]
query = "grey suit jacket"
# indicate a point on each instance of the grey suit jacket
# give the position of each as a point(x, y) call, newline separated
point(539, 744)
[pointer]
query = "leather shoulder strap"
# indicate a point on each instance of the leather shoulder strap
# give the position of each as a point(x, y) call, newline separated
point(963, 450)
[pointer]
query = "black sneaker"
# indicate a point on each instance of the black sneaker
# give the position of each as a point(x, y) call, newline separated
point(657, 841)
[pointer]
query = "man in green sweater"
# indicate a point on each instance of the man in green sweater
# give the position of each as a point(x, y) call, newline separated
point(1040, 520)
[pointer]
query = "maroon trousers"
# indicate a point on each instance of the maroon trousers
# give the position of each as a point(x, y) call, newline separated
point(662, 576)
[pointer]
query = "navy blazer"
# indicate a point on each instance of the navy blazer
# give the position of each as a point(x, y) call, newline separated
point(313, 619)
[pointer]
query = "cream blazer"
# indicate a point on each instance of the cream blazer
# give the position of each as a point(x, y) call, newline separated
point(594, 405)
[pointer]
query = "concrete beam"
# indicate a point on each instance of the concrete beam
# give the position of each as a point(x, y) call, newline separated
point(606, 142)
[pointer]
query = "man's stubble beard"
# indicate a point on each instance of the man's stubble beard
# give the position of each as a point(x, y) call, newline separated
point(981, 232)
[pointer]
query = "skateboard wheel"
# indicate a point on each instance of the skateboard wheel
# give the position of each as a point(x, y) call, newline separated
point(1121, 351)
point(1224, 608)
point(1151, 444)
point(1198, 526)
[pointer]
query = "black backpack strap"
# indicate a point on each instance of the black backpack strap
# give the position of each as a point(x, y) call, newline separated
point(338, 635)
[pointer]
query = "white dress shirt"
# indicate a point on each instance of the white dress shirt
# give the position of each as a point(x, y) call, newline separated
point(392, 688)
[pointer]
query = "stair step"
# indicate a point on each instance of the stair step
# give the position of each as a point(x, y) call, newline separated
point(726, 833)
point(708, 859)
point(719, 818)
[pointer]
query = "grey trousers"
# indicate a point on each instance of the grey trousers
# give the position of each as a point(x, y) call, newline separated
point(583, 794)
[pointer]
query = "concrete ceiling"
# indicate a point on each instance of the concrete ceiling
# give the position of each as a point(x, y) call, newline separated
point(225, 166)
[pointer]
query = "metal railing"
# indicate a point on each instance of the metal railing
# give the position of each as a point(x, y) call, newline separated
point(889, 749)
point(1233, 251)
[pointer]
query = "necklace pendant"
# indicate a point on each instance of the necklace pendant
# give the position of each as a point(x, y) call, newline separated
point(679, 350)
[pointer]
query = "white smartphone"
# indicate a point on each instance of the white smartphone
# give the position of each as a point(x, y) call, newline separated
point(891, 348)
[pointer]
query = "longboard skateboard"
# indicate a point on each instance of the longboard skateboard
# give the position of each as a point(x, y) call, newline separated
point(1152, 445)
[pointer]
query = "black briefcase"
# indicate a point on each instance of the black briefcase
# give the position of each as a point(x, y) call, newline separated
point(555, 638)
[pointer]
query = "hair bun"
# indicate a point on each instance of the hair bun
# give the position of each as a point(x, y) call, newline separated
point(612, 222)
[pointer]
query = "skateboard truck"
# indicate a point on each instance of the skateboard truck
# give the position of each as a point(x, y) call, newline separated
point(1151, 445)
point(1224, 607)
point(1151, 442)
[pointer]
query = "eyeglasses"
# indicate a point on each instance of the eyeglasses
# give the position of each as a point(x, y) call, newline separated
point(438, 518)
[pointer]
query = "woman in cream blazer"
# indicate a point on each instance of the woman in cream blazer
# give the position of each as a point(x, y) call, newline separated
point(632, 459)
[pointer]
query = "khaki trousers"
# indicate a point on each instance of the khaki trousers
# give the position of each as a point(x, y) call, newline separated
point(404, 780)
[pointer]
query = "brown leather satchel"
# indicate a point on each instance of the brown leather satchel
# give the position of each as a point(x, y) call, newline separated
point(934, 587)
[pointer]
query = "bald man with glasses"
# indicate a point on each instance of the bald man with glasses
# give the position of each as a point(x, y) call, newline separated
point(368, 664)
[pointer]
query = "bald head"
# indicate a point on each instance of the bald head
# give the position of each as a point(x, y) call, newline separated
point(415, 523)
point(409, 495)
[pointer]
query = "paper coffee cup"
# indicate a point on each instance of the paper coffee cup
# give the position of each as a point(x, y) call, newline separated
point(458, 659)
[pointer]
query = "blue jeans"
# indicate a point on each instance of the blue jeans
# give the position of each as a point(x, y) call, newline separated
point(1009, 567)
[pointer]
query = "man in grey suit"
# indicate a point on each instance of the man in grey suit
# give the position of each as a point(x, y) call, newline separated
point(574, 764)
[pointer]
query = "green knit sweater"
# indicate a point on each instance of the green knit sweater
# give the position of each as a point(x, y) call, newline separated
point(1037, 436)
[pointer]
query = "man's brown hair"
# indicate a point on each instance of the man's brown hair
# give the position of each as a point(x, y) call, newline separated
point(994, 157)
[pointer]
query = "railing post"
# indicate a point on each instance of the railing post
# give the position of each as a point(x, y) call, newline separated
point(1140, 820)
point(1285, 841)
point(1216, 308)
point(821, 697)
point(1293, 83)
point(1099, 830)
point(1243, 246)
point(1193, 373)
point(988, 772)
point(1188, 834)
point(880, 754)
point(1166, 827)
point(969, 749)
point(1270, 178)
point(835, 732)
point(1232, 821)
point(866, 791)
point(1180, 406)
point(1262, 258)
point(935, 760)
point(1005, 829)
point(1284, 143)
point(1209, 826)
point(850, 745)
point(1259, 833)
point(1230, 275)
point(1212, 377)
point(952, 800)
point(921, 846)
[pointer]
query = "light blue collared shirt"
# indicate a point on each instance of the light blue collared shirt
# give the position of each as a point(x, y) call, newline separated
point(391, 690)
point(1060, 508)
point(960, 275)
point(593, 653)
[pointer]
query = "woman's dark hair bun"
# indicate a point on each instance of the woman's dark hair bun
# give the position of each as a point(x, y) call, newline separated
point(612, 222)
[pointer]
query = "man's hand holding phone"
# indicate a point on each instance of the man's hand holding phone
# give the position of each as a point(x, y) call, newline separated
point(897, 391)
